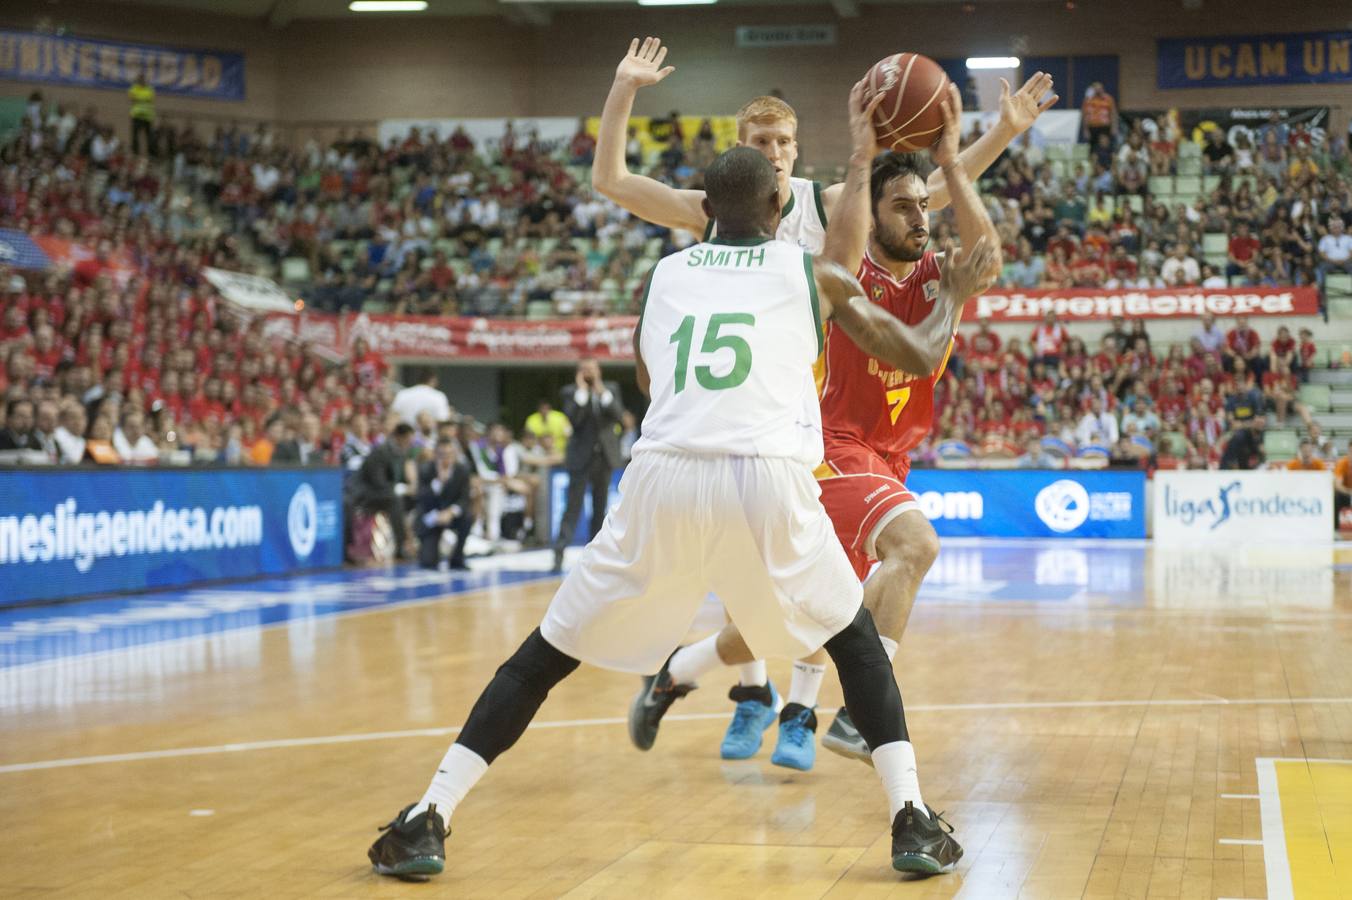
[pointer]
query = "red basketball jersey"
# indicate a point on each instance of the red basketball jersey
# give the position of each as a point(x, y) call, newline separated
point(866, 400)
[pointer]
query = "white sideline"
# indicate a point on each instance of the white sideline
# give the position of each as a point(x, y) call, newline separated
point(280, 743)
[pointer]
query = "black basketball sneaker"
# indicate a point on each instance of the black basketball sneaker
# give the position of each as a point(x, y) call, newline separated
point(651, 704)
point(923, 843)
point(411, 849)
point(844, 739)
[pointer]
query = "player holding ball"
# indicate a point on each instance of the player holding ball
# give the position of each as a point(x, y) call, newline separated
point(873, 414)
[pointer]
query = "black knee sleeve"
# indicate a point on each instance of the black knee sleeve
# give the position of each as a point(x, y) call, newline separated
point(512, 698)
point(871, 693)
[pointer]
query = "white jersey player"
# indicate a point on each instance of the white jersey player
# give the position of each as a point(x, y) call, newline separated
point(770, 126)
point(719, 495)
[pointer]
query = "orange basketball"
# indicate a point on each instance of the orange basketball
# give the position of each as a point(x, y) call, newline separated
point(909, 118)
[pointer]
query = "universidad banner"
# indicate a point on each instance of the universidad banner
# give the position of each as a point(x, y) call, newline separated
point(70, 532)
point(1316, 57)
point(83, 62)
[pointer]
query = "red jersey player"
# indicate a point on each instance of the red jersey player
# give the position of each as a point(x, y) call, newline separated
point(872, 414)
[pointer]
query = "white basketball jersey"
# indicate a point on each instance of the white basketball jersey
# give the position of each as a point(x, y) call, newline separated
point(803, 219)
point(729, 333)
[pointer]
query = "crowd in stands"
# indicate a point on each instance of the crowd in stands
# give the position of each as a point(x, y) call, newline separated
point(1124, 399)
point(1159, 210)
point(130, 355)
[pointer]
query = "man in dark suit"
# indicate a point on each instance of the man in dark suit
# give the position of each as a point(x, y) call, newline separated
point(443, 502)
point(380, 484)
point(594, 408)
point(305, 450)
point(18, 431)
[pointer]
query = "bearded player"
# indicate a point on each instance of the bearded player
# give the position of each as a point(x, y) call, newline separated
point(873, 414)
point(770, 126)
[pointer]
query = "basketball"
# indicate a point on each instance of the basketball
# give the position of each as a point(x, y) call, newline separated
point(910, 117)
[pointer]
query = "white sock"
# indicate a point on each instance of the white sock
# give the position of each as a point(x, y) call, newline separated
point(895, 763)
point(806, 683)
point(691, 662)
point(753, 674)
point(460, 769)
point(890, 646)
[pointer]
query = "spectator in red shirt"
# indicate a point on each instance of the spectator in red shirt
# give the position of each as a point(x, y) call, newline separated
point(440, 276)
point(1065, 241)
point(368, 367)
point(583, 146)
point(1283, 350)
point(1279, 388)
point(985, 343)
point(1086, 270)
point(1048, 340)
point(1121, 267)
point(1242, 250)
point(1308, 353)
point(1106, 359)
point(13, 328)
point(1243, 342)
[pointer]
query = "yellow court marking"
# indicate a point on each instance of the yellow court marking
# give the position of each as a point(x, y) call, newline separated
point(1311, 837)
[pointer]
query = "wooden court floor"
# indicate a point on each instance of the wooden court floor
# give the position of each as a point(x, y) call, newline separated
point(1091, 746)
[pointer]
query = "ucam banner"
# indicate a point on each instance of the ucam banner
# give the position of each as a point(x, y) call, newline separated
point(70, 532)
point(1237, 507)
point(114, 65)
point(1087, 304)
point(1031, 502)
point(1315, 57)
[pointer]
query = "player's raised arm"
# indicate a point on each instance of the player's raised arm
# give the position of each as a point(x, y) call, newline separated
point(1018, 111)
point(645, 197)
point(848, 229)
point(974, 221)
point(914, 349)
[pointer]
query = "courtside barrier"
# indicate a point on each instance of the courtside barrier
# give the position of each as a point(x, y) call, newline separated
point(71, 532)
point(1031, 502)
point(992, 503)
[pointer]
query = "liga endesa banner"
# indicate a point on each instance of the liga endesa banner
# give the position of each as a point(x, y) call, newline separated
point(1089, 305)
point(68, 532)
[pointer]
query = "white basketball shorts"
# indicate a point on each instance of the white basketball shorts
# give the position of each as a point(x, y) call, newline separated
point(752, 530)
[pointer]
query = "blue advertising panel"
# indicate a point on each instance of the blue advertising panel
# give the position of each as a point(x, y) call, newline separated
point(66, 533)
point(1317, 57)
point(1032, 503)
point(82, 62)
point(985, 503)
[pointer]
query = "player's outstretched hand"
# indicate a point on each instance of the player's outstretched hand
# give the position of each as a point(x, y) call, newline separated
point(863, 136)
point(642, 65)
point(969, 271)
point(1020, 109)
point(945, 150)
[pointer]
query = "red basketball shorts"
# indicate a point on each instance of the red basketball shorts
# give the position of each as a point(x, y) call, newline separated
point(862, 493)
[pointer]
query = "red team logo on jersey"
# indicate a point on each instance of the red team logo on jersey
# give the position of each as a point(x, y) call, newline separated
point(874, 415)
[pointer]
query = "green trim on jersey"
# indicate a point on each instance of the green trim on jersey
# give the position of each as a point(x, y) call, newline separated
point(817, 195)
point(708, 231)
point(814, 302)
point(740, 242)
point(788, 207)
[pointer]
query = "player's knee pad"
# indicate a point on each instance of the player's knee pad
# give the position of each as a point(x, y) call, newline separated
point(537, 665)
point(857, 646)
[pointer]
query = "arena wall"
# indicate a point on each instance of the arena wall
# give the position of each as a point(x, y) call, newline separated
point(318, 74)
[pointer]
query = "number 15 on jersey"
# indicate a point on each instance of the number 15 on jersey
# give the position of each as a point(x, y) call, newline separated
point(713, 342)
